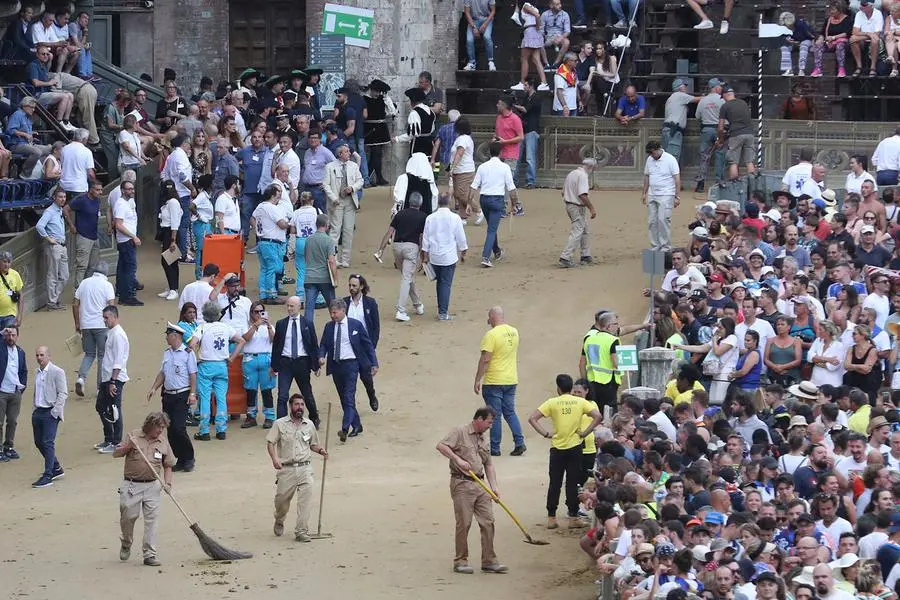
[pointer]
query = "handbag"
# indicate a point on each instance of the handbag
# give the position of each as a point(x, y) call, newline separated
point(712, 365)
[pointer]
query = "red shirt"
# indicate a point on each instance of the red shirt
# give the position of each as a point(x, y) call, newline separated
point(822, 230)
point(757, 222)
point(507, 128)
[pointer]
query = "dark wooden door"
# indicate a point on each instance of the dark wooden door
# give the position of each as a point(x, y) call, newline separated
point(269, 35)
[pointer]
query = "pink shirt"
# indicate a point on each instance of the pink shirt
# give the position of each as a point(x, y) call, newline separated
point(507, 128)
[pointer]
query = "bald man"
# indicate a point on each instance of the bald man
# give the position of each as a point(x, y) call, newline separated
point(50, 394)
point(496, 379)
point(720, 501)
point(823, 580)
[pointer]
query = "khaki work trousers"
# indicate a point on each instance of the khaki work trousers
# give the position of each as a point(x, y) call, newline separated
point(57, 270)
point(342, 223)
point(291, 480)
point(135, 497)
point(406, 258)
point(579, 236)
point(469, 499)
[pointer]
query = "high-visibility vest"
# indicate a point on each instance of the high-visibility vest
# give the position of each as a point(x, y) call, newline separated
point(599, 360)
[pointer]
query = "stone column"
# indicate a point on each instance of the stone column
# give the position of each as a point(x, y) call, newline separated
point(656, 367)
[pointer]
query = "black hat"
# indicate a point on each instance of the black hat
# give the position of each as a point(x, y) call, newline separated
point(342, 90)
point(806, 517)
point(297, 73)
point(233, 280)
point(767, 576)
point(311, 70)
point(273, 80)
point(727, 89)
point(247, 73)
point(289, 94)
point(169, 75)
point(416, 95)
point(379, 86)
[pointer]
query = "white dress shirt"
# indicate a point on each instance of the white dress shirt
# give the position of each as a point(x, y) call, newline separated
point(289, 338)
point(290, 159)
point(40, 399)
point(178, 170)
point(116, 356)
point(443, 237)
point(887, 154)
point(356, 311)
point(493, 178)
point(11, 383)
point(344, 341)
point(196, 293)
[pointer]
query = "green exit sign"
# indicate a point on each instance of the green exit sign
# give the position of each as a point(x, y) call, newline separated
point(627, 358)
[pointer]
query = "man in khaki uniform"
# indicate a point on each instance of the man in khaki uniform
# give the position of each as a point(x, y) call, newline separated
point(290, 443)
point(468, 450)
point(140, 489)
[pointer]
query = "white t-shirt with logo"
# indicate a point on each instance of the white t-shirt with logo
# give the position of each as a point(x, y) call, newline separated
point(214, 338)
point(304, 221)
point(267, 216)
point(795, 177)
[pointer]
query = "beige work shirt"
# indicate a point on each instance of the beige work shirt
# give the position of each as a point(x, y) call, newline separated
point(471, 447)
point(293, 442)
point(157, 452)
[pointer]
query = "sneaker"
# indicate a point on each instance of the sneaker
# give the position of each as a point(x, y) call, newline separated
point(470, 66)
point(267, 424)
point(816, 73)
point(99, 445)
point(107, 449)
point(698, 189)
point(518, 450)
point(420, 309)
point(202, 437)
point(519, 87)
point(491, 66)
point(188, 466)
point(3, 457)
point(163, 293)
point(842, 72)
point(252, 250)
point(173, 295)
point(704, 24)
point(464, 569)
point(152, 561)
point(342, 435)
point(520, 211)
point(496, 568)
point(543, 88)
point(486, 263)
point(187, 260)
point(552, 523)
point(621, 25)
point(787, 73)
point(577, 523)
point(401, 316)
point(11, 454)
point(565, 263)
point(801, 73)
point(130, 302)
point(278, 529)
point(249, 422)
point(445, 317)
point(479, 218)
point(290, 281)
point(302, 537)
point(79, 387)
point(42, 482)
point(220, 435)
point(580, 23)
point(496, 453)
point(723, 28)
point(499, 255)
point(124, 552)
point(587, 260)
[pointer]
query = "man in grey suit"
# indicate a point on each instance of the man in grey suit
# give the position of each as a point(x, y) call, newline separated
point(50, 393)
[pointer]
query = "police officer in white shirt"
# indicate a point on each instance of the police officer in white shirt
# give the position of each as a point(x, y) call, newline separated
point(271, 226)
point(662, 185)
point(114, 375)
point(228, 213)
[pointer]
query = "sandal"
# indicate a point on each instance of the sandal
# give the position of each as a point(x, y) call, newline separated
point(873, 73)
point(856, 73)
point(894, 73)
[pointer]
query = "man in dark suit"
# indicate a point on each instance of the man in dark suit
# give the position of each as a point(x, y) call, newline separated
point(365, 310)
point(11, 386)
point(295, 352)
point(348, 350)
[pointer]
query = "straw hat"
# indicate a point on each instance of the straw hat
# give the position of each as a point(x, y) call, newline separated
point(806, 390)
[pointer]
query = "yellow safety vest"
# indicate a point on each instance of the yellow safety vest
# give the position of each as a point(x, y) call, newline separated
point(600, 367)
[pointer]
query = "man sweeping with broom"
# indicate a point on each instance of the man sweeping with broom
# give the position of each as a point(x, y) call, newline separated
point(140, 489)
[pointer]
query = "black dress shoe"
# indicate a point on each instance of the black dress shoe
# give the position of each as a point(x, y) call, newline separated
point(342, 435)
point(355, 432)
point(178, 467)
point(373, 403)
point(698, 189)
point(188, 466)
point(518, 450)
point(139, 286)
point(267, 424)
point(248, 422)
point(202, 437)
point(220, 435)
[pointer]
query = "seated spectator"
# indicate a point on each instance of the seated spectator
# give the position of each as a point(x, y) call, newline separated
point(51, 169)
point(631, 107)
point(801, 38)
point(144, 126)
point(531, 48)
point(112, 124)
point(78, 36)
point(46, 88)
point(705, 22)
point(20, 131)
point(556, 27)
point(131, 154)
point(892, 38)
point(18, 35)
point(479, 18)
point(45, 32)
point(603, 74)
point(565, 88)
point(624, 11)
point(5, 158)
point(867, 27)
point(834, 37)
point(798, 106)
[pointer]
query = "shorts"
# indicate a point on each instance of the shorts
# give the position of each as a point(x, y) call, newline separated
point(741, 149)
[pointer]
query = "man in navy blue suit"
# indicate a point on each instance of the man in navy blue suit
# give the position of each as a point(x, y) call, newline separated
point(347, 348)
point(365, 310)
point(295, 352)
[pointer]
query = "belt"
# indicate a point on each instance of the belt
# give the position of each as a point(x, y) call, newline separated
point(299, 463)
point(313, 185)
point(709, 125)
point(465, 476)
point(270, 240)
point(139, 480)
point(221, 360)
point(178, 391)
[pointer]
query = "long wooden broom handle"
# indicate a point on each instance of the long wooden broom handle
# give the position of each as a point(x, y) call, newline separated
point(497, 499)
point(324, 467)
point(161, 482)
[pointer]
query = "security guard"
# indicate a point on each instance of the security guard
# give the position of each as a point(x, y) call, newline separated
point(598, 360)
point(291, 443)
point(140, 489)
point(467, 450)
point(178, 378)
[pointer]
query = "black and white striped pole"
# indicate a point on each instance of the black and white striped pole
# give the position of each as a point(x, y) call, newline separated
point(759, 102)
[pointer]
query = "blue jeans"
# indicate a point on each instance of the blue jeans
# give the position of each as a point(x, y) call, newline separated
point(85, 64)
point(300, 262)
point(311, 291)
point(444, 284)
point(618, 8)
point(318, 194)
point(212, 378)
point(502, 398)
point(671, 141)
point(201, 230)
point(492, 207)
point(126, 270)
point(185, 225)
point(44, 426)
point(528, 149)
point(708, 150)
point(271, 259)
point(93, 342)
point(345, 373)
point(488, 39)
point(249, 202)
point(886, 177)
point(363, 161)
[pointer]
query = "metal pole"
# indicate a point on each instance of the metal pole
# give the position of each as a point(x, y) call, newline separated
point(759, 102)
point(619, 63)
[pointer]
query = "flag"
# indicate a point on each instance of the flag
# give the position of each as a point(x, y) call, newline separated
point(772, 35)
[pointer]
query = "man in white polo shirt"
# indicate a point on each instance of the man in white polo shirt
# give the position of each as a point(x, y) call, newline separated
point(662, 183)
point(493, 179)
point(77, 165)
point(867, 27)
point(93, 295)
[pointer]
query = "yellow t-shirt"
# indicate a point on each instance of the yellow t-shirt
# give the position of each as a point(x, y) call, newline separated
point(8, 308)
point(502, 342)
point(859, 421)
point(566, 412)
point(683, 397)
point(590, 445)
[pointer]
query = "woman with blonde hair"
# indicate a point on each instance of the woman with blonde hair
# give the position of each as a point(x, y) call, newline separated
point(200, 156)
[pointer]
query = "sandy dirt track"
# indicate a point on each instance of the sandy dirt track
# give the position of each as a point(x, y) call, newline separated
point(387, 499)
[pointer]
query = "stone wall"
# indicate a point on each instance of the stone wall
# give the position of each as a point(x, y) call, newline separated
point(191, 36)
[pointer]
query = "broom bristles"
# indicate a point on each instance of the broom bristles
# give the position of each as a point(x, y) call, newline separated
point(214, 549)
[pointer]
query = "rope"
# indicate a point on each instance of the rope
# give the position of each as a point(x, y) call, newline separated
point(759, 101)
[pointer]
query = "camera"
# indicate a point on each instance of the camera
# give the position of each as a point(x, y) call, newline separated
point(15, 296)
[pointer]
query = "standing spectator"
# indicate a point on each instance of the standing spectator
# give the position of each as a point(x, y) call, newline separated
point(802, 38)
point(202, 217)
point(321, 267)
point(50, 394)
point(12, 303)
point(45, 87)
point(443, 144)
point(708, 113)
point(565, 88)
point(531, 47)
point(343, 181)
point(705, 22)
point(169, 219)
point(364, 308)
point(131, 153)
point(177, 377)
point(662, 183)
point(51, 227)
point(406, 230)
point(675, 120)
point(171, 109)
point(509, 134)
point(127, 242)
point(631, 107)
point(250, 158)
point(315, 159)
point(434, 97)
point(462, 171)
point(91, 296)
point(576, 198)
point(493, 180)
point(303, 224)
point(479, 16)
point(256, 366)
point(295, 353)
point(736, 114)
point(868, 25)
point(114, 376)
point(497, 377)
point(859, 172)
point(14, 379)
point(443, 244)
point(20, 130)
point(555, 27)
point(226, 209)
point(178, 170)
point(77, 165)
point(618, 8)
point(798, 106)
point(835, 36)
point(284, 155)
point(529, 110)
point(886, 158)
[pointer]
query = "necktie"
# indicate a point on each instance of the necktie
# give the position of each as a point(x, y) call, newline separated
point(337, 343)
point(343, 175)
point(294, 341)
